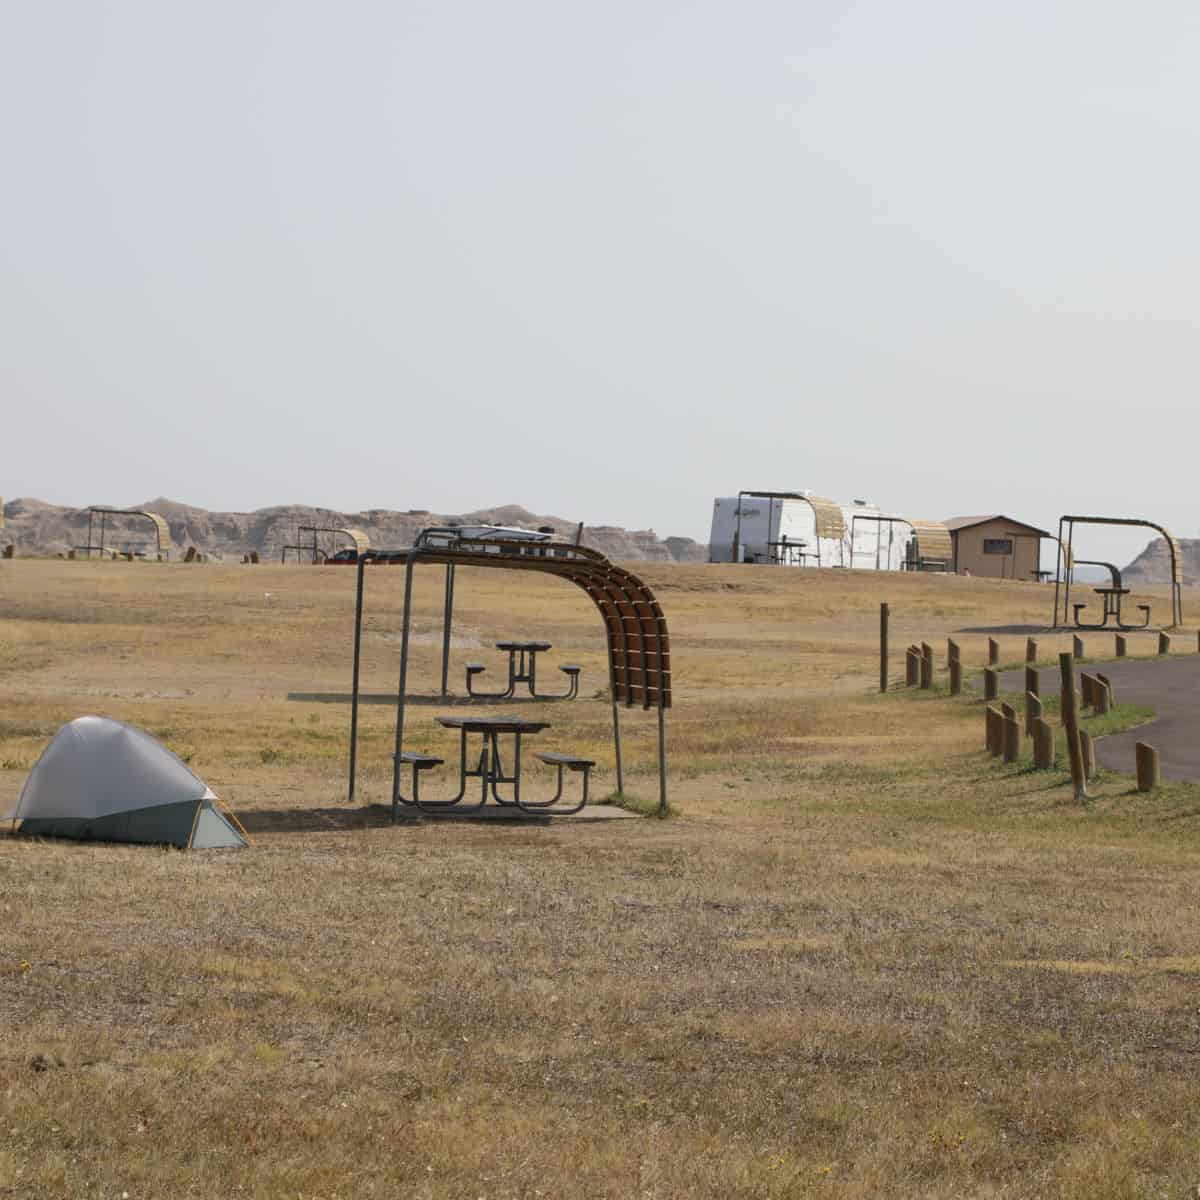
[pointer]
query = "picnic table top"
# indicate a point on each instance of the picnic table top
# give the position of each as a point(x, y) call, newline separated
point(523, 645)
point(493, 724)
point(1111, 591)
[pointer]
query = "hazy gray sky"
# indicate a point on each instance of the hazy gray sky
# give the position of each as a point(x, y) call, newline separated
point(605, 260)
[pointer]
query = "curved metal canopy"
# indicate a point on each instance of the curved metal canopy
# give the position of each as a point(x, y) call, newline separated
point(1173, 547)
point(933, 541)
point(638, 645)
point(639, 654)
point(829, 521)
point(162, 533)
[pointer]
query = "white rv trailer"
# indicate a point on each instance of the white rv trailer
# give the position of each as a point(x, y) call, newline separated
point(803, 530)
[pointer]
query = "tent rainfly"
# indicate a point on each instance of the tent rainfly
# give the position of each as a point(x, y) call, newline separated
point(99, 779)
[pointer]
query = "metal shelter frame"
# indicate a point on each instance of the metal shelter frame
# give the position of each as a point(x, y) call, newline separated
point(931, 544)
point(1071, 522)
point(162, 534)
point(879, 519)
point(830, 521)
point(639, 662)
point(361, 542)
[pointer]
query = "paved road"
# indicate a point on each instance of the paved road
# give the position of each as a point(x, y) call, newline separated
point(1170, 686)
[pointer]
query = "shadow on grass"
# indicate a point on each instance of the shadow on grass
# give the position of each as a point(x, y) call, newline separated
point(426, 701)
point(379, 816)
point(1008, 629)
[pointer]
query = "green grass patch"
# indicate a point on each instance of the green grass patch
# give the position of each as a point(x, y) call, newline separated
point(639, 805)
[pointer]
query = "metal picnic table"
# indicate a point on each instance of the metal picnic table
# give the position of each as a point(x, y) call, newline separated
point(489, 768)
point(522, 668)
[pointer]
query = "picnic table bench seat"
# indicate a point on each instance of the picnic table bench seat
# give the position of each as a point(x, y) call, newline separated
point(568, 762)
point(419, 762)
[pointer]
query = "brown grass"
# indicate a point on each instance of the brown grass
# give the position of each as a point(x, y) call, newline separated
point(864, 961)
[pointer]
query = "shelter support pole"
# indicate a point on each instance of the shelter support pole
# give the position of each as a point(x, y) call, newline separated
point(662, 760)
point(447, 618)
point(1070, 559)
point(883, 647)
point(400, 693)
point(358, 603)
point(617, 744)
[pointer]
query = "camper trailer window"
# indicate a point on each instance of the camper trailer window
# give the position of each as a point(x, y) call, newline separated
point(997, 546)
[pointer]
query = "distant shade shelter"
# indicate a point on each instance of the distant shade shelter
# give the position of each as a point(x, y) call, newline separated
point(101, 780)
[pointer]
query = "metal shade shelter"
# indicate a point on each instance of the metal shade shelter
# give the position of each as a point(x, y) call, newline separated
point(1064, 585)
point(639, 663)
point(878, 520)
point(162, 534)
point(933, 545)
point(829, 519)
point(362, 543)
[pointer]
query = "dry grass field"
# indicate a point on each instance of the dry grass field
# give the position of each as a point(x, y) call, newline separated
point(861, 960)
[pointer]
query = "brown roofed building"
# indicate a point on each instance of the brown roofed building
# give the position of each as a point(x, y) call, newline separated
point(996, 547)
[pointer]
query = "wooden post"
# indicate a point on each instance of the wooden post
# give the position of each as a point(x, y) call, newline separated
point(926, 665)
point(1085, 689)
point(1120, 646)
point(1102, 702)
point(1164, 643)
point(883, 647)
point(1012, 739)
point(1010, 713)
point(1148, 777)
point(1077, 647)
point(1033, 712)
point(991, 683)
point(1033, 681)
point(993, 652)
point(1043, 745)
point(955, 677)
point(1106, 683)
point(1070, 720)
point(989, 730)
point(953, 653)
point(911, 667)
point(1031, 650)
point(1089, 754)
point(995, 731)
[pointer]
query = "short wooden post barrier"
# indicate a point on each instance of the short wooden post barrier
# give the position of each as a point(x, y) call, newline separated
point(1164, 643)
point(926, 665)
point(1033, 681)
point(955, 677)
point(883, 647)
point(953, 653)
point(991, 683)
point(1033, 711)
point(912, 666)
point(1009, 712)
point(1070, 720)
point(1077, 647)
point(1086, 690)
point(1012, 739)
point(1106, 683)
point(1030, 650)
point(1120, 646)
point(993, 652)
point(1089, 754)
point(995, 736)
point(1043, 745)
point(1148, 777)
point(1102, 701)
point(10, 550)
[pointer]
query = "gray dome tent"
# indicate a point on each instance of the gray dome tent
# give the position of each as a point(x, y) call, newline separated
point(99, 779)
